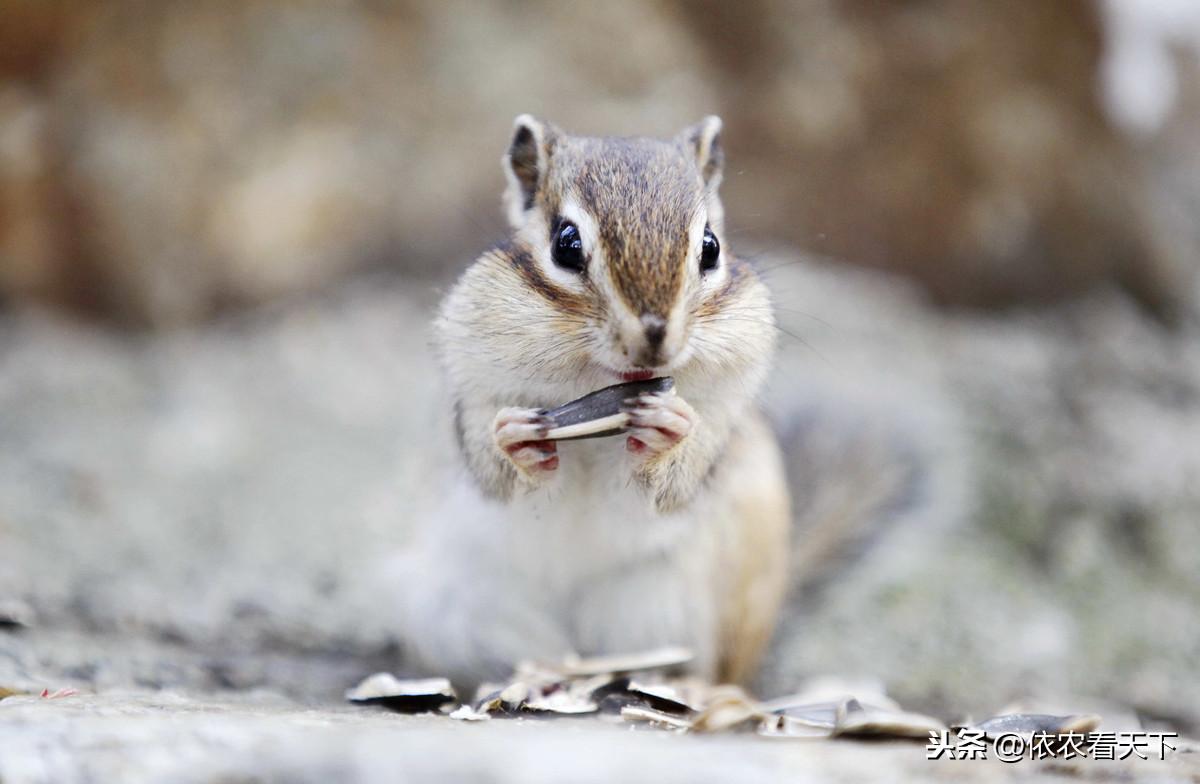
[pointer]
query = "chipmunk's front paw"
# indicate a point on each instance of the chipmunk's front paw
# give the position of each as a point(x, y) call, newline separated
point(657, 422)
point(520, 435)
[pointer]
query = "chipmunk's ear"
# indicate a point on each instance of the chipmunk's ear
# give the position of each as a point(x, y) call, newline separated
point(525, 164)
point(703, 140)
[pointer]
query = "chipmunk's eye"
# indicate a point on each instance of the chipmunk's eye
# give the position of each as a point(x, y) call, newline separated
point(567, 247)
point(710, 251)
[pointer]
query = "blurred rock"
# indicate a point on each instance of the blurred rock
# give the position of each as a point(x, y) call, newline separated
point(1022, 490)
point(961, 143)
point(162, 161)
point(224, 154)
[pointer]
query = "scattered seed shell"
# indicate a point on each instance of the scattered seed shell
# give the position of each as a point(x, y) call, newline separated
point(426, 695)
point(607, 685)
point(1030, 723)
point(507, 701)
point(729, 708)
point(659, 659)
point(818, 714)
point(467, 713)
point(855, 720)
point(832, 692)
point(785, 726)
point(563, 702)
point(621, 692)
point(15, 614)
point(641, 714)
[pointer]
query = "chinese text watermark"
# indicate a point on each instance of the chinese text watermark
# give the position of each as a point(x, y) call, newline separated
point(968, 744)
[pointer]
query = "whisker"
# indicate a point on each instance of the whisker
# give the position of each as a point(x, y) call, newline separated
point(805, 314)
point(768, 323)
point(783, 265)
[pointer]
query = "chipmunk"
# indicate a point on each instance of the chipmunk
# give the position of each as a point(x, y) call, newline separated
point(617, 269)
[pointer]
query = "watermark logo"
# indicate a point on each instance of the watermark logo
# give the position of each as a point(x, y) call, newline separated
point(969, 744)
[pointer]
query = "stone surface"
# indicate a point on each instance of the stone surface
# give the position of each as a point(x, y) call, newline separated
point(138, 736)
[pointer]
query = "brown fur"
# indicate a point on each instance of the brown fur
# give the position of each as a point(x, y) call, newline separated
point(741, 274)
point(755, 549)
point(645, 193)
point(557, 296)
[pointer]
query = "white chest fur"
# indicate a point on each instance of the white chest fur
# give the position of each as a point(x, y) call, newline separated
point(583, 564)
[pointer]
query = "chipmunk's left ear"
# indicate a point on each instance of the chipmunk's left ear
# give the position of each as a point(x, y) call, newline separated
point(704, 141)
point(526, 164)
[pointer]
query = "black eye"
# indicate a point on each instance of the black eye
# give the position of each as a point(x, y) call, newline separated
point(710, 251)
point(567, 247)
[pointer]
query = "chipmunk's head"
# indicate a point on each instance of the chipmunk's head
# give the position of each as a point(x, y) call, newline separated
point(623, 238)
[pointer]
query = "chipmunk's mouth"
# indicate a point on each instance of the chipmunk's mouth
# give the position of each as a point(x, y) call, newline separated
point(630, 374)
point(636, 375)
point(645, 374)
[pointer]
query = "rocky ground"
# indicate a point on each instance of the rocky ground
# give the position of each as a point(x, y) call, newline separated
point(142, 736)
point(203, 727)
point(988, 509)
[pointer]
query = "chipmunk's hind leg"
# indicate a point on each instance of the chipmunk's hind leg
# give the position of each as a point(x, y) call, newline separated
point(755, 533)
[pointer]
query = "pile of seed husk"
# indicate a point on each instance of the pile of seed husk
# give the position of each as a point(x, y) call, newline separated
point(648, 689)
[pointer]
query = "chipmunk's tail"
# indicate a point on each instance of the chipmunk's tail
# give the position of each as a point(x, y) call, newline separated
point(874, 480)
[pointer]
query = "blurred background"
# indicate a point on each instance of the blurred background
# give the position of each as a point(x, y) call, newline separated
point(223, 227)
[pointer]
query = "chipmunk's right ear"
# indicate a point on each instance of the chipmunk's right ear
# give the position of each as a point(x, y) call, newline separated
point(703, 140)
point(526, 163)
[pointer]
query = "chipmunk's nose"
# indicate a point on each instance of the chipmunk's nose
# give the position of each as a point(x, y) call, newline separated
point(655, 328)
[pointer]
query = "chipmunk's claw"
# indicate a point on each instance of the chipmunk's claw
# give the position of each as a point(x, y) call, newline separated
point(520, 434)
point(657, 422)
